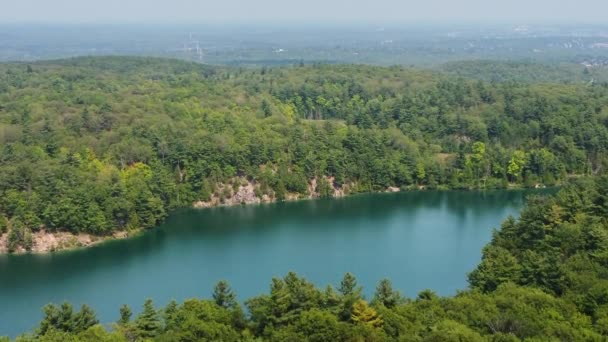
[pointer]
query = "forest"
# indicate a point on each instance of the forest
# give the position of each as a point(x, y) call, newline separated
point(542, 278)
point(103, 144)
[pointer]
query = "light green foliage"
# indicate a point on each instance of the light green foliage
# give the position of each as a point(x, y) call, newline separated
point(450, 331)
point(516, 165)
point(420, 172)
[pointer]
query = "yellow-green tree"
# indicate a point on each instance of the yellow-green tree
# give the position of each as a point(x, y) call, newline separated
point(516, 165)
point(364, 314)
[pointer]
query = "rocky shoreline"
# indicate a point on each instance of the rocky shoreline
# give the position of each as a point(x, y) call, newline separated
point(247, 192)
point(49, 242)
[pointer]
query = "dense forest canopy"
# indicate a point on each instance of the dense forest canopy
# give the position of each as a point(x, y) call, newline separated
point(542, 278)
point(100, 144)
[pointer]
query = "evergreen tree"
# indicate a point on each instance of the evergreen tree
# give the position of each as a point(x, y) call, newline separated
point(223, 295)
point(57, 318)
point(348, 285)
point(351, 293)
point(147, 324)
point(385, 295)
point(125, 314)
point(84, 319)
point(170, 313)
point(266, 109)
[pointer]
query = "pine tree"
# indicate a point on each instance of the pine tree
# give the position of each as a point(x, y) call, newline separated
point(351, 293)
point(280, 191)
point(223, 295)
point(84, 319)
point(385, 295)
point(170, 313)
point(147, 324)
point(266, 109)
point(125, 314)
point(66, 318)
point(57, 318)
point(348, 285)
point(50, 320)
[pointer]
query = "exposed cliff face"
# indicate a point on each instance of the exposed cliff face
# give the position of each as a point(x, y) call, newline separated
point(249, 192)
point(46, 242)
point(227, 196)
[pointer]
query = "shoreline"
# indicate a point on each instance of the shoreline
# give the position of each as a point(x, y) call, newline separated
point(45, 242)
point(61, 241)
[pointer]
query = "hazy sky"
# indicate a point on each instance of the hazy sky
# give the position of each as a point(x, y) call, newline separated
point(303, 11)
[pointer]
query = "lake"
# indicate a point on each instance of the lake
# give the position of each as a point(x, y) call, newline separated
point(418, 240)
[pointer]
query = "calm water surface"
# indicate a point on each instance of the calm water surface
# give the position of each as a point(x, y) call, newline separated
point(418, 240)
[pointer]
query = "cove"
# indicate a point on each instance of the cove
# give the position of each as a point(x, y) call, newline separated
point(418, 240)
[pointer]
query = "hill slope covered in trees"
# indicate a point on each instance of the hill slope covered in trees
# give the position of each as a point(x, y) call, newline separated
point(98, 145)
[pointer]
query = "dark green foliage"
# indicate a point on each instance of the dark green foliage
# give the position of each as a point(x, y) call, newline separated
point(3, 225)
point(351, 294)
point(78, 155)
point(125, 315)
point(385, 295)
point(84, 319)
point(348, 286)
point(266, 110)
point(223, 295)
point(64, 319)
point(147, 323)
point(559, 245)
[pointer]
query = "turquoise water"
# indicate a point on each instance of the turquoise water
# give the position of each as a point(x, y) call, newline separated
point(418, 240)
